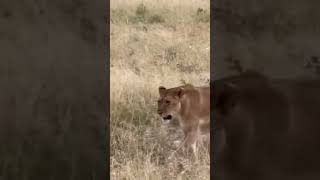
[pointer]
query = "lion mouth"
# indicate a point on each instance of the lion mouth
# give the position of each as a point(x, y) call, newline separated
point(168, 117)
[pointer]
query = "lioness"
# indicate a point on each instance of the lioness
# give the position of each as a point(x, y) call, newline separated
point(190, 106)
point(266, 128)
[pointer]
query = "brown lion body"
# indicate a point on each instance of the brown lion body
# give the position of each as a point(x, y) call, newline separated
point(267, 128)
point(188, 105)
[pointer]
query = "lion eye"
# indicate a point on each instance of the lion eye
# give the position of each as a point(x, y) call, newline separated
point(167, 101)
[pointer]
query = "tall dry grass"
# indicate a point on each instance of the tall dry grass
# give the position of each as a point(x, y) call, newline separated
point(153, 43)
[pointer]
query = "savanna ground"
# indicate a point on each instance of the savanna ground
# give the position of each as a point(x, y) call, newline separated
point(153, 43)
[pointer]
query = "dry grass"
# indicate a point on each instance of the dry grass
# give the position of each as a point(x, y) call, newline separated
point(164, 42)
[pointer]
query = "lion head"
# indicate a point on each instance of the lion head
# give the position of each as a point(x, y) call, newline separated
point(169, 103)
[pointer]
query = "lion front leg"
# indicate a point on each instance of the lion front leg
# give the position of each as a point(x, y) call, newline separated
point(191, 138)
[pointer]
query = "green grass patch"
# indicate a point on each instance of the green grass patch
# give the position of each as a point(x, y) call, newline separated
point(144, 15)
point(202, 16)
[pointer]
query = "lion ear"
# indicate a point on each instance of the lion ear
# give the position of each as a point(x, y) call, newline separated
point(224, 96)
point(161, 90)
point(180, 92)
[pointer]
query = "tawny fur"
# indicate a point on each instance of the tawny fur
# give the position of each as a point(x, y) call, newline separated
point(190, 106)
